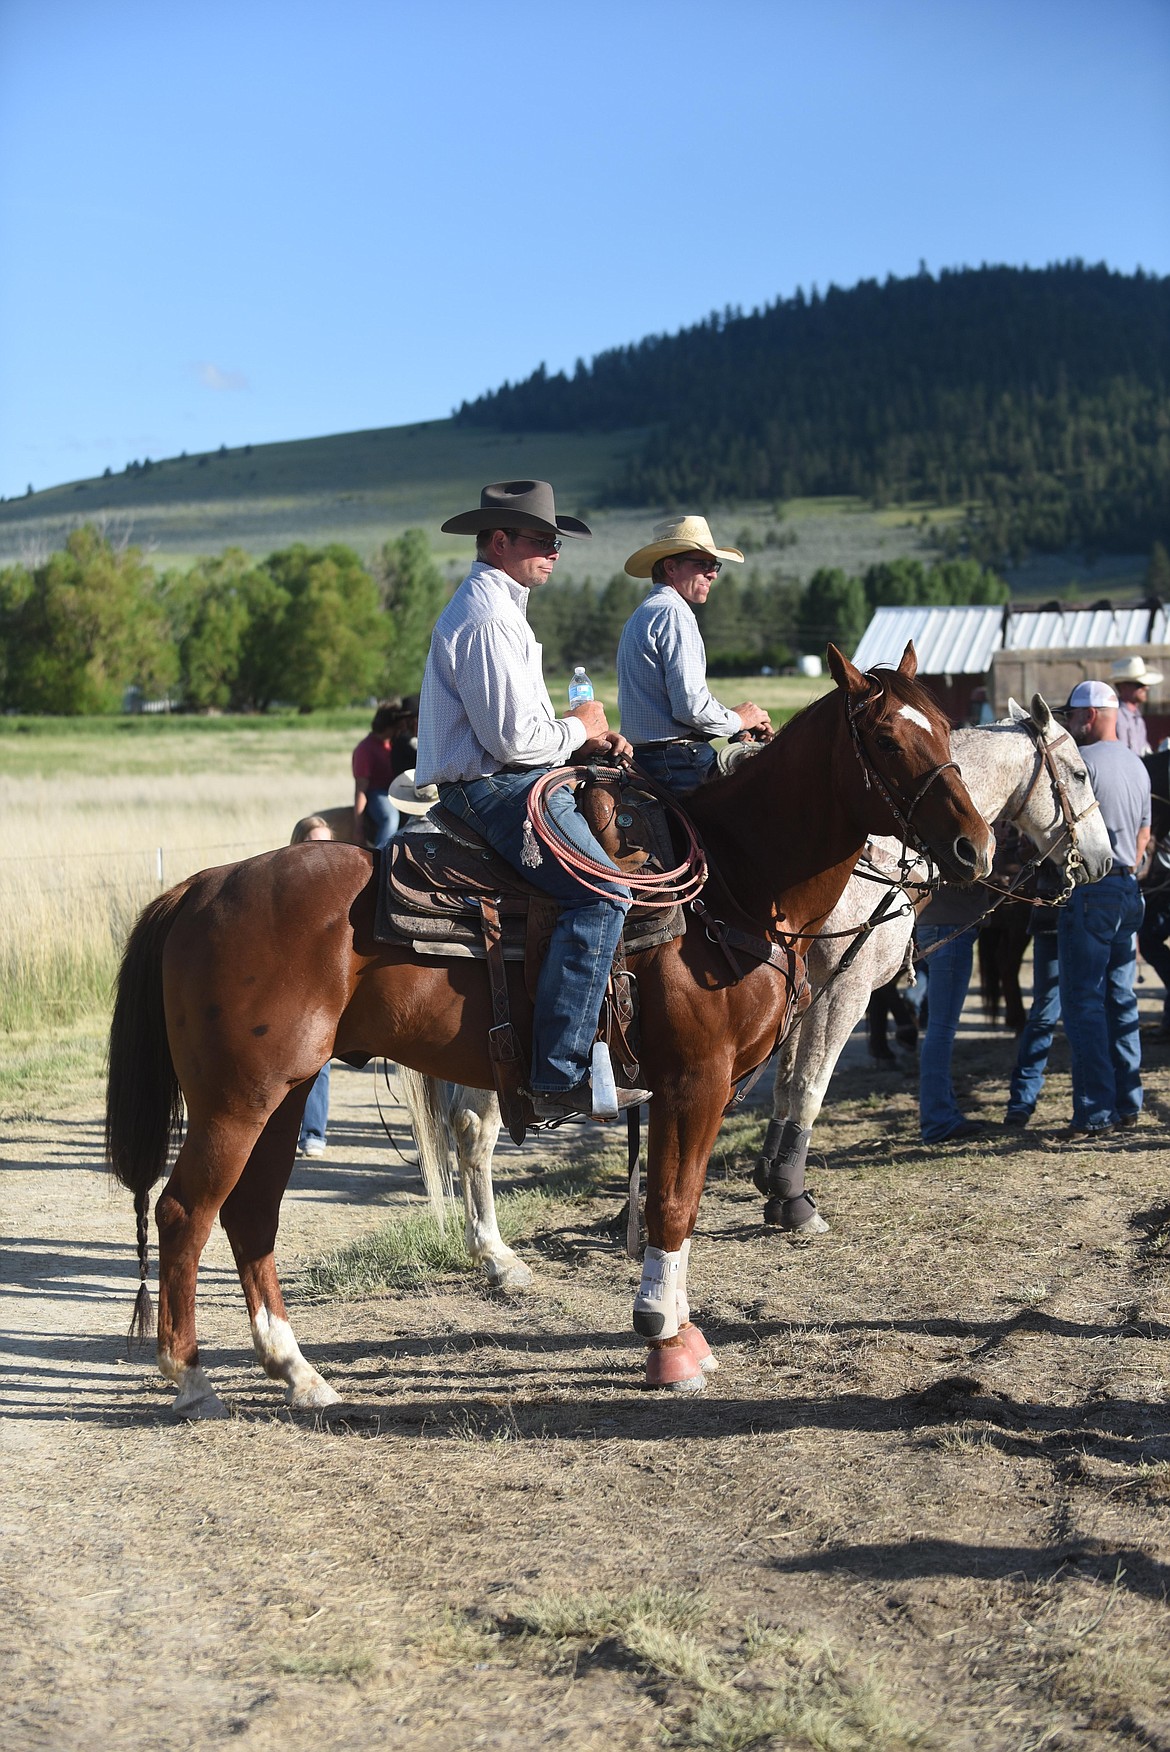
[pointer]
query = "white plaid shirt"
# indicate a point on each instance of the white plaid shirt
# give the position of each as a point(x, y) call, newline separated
point(484, 704)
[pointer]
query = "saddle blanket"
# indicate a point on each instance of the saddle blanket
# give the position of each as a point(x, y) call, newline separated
point(431, 875)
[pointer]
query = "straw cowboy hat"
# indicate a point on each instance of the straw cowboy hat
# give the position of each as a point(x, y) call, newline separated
point(1134, 669)
point(516, 505)
point(412, 799)
point(678, 535)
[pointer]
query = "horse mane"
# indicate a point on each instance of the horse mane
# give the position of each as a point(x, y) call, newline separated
point(891, 690)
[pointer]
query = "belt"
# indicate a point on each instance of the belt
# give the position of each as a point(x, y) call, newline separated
point(673, 742)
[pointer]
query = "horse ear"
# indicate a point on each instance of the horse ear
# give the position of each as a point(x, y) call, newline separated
point(909, 663)
point(844, 673)
point(1017, 713)
point(1041, 711)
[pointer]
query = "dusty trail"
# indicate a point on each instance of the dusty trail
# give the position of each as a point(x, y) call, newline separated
point(939, 1443)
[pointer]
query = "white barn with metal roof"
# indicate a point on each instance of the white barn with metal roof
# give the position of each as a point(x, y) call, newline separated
point(1018, 651)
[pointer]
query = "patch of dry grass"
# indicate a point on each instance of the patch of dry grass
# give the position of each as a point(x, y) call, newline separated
point(410, 1249)
point(97, 822)
point(766, 1687)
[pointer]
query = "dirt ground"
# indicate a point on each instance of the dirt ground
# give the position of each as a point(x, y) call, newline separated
point(925, 1501)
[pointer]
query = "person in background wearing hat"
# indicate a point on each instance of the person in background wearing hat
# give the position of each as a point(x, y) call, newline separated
point(1097, 929)
point(1133, 681)
point(487, 732)
point(377, 760)
point(664, 703)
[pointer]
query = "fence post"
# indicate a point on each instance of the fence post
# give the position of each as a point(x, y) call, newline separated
point(159, 865)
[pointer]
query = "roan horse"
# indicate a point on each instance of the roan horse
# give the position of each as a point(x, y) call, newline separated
point(1007, 772)
point(237, 985)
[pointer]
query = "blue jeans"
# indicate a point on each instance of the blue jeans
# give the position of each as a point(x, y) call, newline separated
point(381, 819)
point(580, 954)
point(1097, 965)
point(316, 1108)
point(1036, 1040)
point(681, 766)
point(950, 975)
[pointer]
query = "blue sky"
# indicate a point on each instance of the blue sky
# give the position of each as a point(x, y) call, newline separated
point(231, 223)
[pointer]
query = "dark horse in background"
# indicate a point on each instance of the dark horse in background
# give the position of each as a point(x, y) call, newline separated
point(1156, 887)
point(237, 985)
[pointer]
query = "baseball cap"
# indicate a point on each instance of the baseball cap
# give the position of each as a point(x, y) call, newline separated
point(1092, 693)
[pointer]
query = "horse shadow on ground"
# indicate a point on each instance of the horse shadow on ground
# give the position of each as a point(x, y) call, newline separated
point(1126, 1567)
point(77, 1143)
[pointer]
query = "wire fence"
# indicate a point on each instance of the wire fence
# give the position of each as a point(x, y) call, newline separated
point(157, 865)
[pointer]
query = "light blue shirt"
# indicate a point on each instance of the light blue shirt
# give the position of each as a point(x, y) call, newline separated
point(484, 704)
point(662, 674)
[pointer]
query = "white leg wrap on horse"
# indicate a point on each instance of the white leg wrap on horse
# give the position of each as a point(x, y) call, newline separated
point(656, 1305)
point(680, 1288)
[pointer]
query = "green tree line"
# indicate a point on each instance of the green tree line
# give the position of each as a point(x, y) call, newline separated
point(756, 619)
point(307, 627)
point(1039, 400)
point(315, 627)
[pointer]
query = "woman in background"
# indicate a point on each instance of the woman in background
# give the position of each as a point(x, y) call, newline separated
point(377, 760)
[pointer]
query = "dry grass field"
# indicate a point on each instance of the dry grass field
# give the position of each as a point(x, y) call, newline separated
point(924, 1503)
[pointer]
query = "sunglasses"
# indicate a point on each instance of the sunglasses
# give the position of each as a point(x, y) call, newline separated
point(545, 544)
point(704, 563)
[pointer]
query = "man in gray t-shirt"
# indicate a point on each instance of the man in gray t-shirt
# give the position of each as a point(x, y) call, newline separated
point(1097, 929)
point(1121, 786)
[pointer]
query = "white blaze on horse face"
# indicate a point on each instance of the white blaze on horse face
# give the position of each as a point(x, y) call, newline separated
point(915, 716)
point(658, 1290)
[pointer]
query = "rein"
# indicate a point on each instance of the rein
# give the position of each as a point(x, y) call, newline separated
point(1073, 860)
point(885, 912)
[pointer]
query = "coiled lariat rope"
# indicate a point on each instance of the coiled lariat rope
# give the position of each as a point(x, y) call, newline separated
point(653, 890)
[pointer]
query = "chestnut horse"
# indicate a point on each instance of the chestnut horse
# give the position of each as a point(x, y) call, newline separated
point(237, 985)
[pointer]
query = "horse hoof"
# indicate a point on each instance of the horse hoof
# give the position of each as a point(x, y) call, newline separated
point(208, 1408)
point(796, 1216)
point(511, 1279)
point(699, 1348)
point(314, 1396)
point(674, 1367)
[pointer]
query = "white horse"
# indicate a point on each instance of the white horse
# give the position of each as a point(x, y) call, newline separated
point(1025, 770)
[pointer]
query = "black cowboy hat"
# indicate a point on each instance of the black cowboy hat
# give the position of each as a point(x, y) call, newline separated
point(516, 505)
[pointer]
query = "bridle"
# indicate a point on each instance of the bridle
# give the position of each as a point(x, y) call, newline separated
point(1070, 819)
point(855, 706)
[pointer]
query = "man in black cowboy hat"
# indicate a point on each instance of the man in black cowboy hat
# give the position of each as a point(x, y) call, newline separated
point(487, 732)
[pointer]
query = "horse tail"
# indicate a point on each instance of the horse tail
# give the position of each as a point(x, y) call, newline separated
point(144, 1104)
point(426, 1099)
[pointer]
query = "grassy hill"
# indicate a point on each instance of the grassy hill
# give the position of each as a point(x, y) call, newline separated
point(1015, 410)
point(357, 487)
point(365, 487)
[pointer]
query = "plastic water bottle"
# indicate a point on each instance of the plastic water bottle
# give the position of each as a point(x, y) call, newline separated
point(580, 687)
